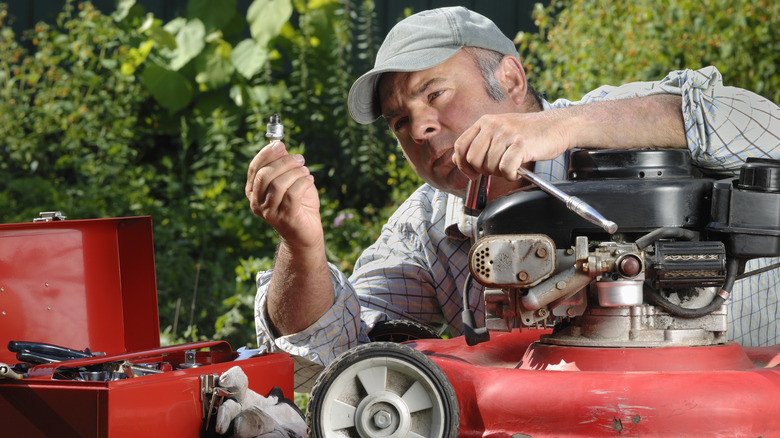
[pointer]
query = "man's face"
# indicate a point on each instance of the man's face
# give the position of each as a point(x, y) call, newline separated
point(428, 110)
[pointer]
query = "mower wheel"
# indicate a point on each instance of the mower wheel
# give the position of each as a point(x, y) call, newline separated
point(401, 330)
point(383, 389)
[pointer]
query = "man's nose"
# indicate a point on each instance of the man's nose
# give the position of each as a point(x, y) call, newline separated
point(424, 126)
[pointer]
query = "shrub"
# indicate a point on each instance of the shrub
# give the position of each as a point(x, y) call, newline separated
point(583, 44)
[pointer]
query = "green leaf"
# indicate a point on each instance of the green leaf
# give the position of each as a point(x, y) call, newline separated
point(163, 37)
point(175, 25)
point(260, 94)
point(169, 88)
point(214, 66)
point(248, 57)
point(237, 95)
point(189, 43)
point(266, 18)
point(214, 14)
point(122, 9)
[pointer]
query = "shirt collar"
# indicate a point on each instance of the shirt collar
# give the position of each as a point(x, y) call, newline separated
point(457, 226)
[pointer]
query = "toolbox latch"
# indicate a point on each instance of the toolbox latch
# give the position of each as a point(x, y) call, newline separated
point(48, 216)
point(208, 382)
point(211, 397)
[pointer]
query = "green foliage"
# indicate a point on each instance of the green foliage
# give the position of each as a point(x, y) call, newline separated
point(583, 44)
point(107, 116)
point(215, 89)
point(70, 135)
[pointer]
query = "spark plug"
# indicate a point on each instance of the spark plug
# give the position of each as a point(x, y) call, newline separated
point(274, 129)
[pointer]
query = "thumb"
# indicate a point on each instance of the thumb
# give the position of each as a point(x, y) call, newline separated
point(225, 414)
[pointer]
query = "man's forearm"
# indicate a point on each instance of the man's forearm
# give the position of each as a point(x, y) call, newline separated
point(650, 121)
point(300, 290)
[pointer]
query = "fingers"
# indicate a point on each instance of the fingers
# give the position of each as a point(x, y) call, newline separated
point(489, 147)
point(464, 155)
point(268, 154)
point(282, 195)
point(227, 411)
point(281, 190)
point(253, 421)
point(279, 184)
point(272, 171)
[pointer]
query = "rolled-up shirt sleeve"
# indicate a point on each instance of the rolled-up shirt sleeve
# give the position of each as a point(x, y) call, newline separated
point(336, 331)
point(724, 126)
point(412, 272)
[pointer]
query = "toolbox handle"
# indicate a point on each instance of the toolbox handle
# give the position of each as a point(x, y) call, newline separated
point(220, 351)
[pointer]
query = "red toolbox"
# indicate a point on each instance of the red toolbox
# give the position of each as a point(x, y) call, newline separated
point(90, 284)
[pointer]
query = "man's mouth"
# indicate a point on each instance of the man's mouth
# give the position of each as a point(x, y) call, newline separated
point(443, 160)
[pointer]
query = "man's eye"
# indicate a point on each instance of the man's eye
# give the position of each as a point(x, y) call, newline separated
point(434, 95)
point(400, 123)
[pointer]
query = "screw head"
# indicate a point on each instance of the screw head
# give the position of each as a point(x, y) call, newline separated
point(383, 419)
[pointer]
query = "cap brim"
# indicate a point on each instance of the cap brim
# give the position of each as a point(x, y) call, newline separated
point(363, 99)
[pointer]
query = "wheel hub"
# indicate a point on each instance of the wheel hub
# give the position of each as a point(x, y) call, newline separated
point(382, 414)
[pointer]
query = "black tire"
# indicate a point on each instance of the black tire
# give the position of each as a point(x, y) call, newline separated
point(383, 389)
point(401, 330)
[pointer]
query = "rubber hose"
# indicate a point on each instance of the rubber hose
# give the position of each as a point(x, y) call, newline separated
point(472, 334)
point(665, 233)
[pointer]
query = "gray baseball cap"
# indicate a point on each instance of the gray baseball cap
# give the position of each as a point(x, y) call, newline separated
point(422, 41)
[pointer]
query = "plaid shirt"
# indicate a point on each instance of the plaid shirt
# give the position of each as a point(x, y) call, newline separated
point(417, 267)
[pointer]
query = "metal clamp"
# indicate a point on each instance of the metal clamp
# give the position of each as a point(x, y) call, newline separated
point(48, 216)
point(208, 382)
point(211, 396)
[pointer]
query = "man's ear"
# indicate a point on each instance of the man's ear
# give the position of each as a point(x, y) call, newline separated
point(512, 76)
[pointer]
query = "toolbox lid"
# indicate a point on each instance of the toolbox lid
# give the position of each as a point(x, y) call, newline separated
point(79, 284)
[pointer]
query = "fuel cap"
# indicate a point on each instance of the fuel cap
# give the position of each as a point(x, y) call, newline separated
point(760, 174)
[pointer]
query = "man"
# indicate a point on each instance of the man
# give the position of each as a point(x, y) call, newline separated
point(453, 91)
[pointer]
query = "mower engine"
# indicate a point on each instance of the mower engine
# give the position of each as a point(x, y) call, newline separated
point(639, 343)
point(661, 280)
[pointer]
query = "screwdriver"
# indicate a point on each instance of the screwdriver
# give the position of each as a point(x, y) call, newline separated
point(573, 203)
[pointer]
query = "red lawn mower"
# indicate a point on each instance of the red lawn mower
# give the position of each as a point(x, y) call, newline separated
point(588, 331)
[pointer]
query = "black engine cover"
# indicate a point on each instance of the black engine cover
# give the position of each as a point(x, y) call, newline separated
point(638, 190)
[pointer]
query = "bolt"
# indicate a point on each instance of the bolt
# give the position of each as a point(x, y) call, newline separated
point(522, 276)
point(383, 419)
point(542, 313)
point(561, 285)
point(570, 311)
point(541, 252)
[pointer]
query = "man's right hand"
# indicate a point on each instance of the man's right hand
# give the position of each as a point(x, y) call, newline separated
point(281, 190)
